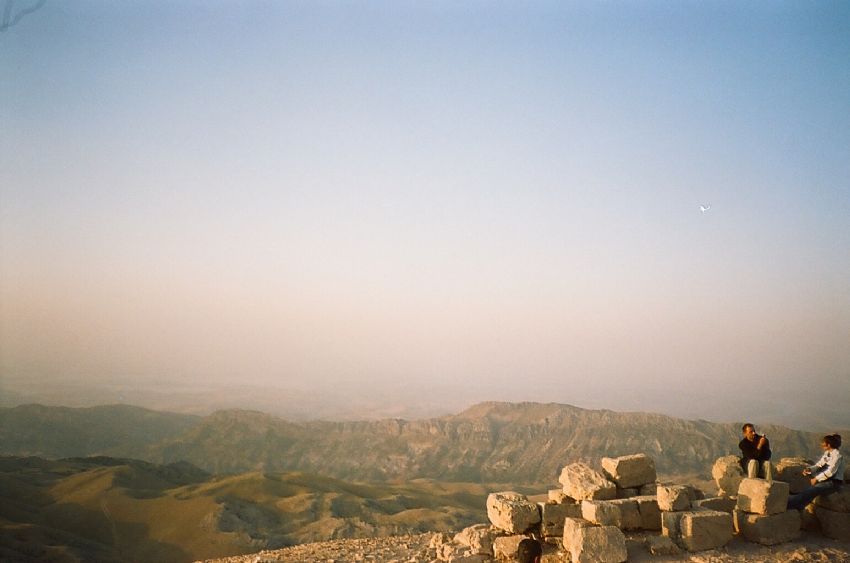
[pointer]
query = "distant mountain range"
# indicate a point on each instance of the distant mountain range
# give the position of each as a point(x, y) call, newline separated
point(525, 443)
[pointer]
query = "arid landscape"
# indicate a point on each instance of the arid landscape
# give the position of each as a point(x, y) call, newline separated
point(117, 482)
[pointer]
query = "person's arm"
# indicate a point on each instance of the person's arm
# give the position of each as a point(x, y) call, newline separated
point(831, 466)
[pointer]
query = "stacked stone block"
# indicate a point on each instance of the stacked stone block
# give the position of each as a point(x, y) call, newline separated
point(588, 543)
point(693, 529)
point(833, 513)
point(760, 514)
point(727, 474)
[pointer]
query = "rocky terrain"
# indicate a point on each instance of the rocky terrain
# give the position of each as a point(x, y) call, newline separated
point(402, 549)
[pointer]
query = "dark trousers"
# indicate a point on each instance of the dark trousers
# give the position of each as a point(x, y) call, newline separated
point(801, 499)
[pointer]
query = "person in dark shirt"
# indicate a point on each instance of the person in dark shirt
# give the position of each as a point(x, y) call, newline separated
point(755, 450)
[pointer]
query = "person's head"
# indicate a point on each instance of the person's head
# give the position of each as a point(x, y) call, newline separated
point(749, 431)
point(831, 441)
point(529, 551)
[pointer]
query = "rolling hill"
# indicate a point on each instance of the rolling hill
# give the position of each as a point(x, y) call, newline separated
point(108, 509)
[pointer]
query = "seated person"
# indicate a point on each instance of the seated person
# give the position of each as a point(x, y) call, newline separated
point(827, 474)
point(756, 454)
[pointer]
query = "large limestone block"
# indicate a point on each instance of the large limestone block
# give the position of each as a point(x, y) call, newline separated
point(838, 501)
point(835, 525)
point(723, 504)
point(662, 545)
point(504, 547)
point(674, 497)
point(630, 518)
point(708, 529)
point(622, 513)
point(478, 538)
point(627, 493)
point(671, 524)
point(650, 514)
point(581, 482)
point(630, 470)
point(594, 544)
point(558, 495)
point(790, 470)
point(727, 474)
point(552, 516)
point(511, 512)
point(648, 490)
point(768, 530)
point(758, 496)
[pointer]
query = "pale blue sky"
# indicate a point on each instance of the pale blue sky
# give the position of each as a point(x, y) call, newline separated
point(431, 194)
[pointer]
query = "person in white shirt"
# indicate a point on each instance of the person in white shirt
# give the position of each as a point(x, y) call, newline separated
point(827, 475)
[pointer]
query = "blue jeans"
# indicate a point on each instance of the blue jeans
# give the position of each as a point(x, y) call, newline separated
point(800, 500)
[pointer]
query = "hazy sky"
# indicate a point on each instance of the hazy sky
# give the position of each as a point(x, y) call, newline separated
point(501, 198)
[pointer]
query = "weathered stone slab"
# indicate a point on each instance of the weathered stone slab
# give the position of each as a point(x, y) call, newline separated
point(673, 497)
point(662, 545)
point(790, 470)
point(768, 529)
point(630, 518)
point(648, 490)
point(727, 474)
point(504, 547)
point(835, 525)
point(558, 495)
point(478, 538)
point(622, 513)
point(650, 514)
point(552, 517)
point(629, 470)
point(705, 529)
point(511, 512)
point(838, 501)
point(627, 493)
point(671, 524)
point(581, 482)
point(723, 504)
point(594, 544)
point(758, 496)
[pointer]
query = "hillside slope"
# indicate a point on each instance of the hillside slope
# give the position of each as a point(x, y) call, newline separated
point(105, 509)
point(496, 442)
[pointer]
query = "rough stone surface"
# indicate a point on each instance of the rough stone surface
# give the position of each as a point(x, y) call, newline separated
point(705, 529)
point(671, 524)
point(673, 497)
point(839, 501)
point(758, 496)
point(505, 547)
point(727, 474)
point(594, 544)
point(662, 545)
point(553, 515)
point(648, 490)
point(768, 530)
point(558, 495)
point(790, 470)
point(630, 518)
point(835, 525)
point(630, 470)
point(478, 538)
point(511, 512)
point(650, 514)
point(627, 493)
point(809, 521)
point(723, 504)
point(581, 482)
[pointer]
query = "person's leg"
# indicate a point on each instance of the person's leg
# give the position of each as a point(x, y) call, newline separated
point(753, 469)
point(800, 500)
point(767, 468)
